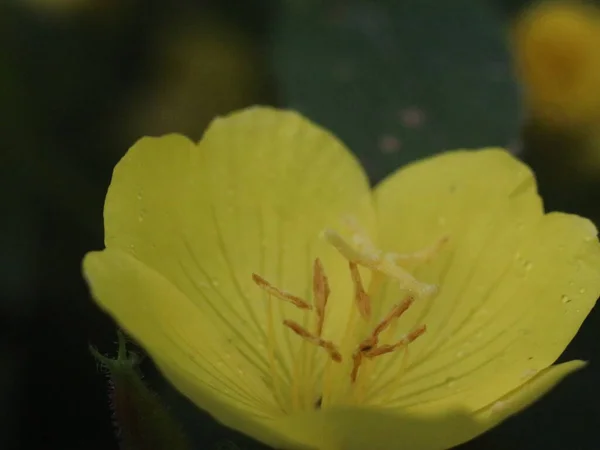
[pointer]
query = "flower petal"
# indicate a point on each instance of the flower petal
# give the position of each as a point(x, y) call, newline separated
point(251, 197)
point(194, 354)
point(359, 428)
point(526, 394)
point(515, 285)
point(375, 428)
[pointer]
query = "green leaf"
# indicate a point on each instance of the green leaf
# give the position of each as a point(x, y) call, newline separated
point(398, 80)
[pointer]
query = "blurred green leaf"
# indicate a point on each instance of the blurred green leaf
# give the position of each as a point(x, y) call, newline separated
point(398, 80)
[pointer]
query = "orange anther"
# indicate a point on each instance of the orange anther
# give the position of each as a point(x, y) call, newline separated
point(329, 347)
point(363, 302)
point(282, 295)
point(394, 314)
point(370, 348)
point(414, 334)
point(410, 337)
point(356, 360)
point(321, 293)
point(363, 348)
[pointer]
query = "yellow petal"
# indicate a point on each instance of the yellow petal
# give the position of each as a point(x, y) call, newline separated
point(526, 394)
point(363, 428)
point(252, 197)
point(382, 429)
point(199, 359)
point(515, 285)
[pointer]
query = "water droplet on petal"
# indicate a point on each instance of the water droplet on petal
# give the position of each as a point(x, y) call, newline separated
point(582, 291)
point(527, 265)
point(498, 406)
point(214, 282)
point(528, 374)
point(450, 383)
point(565, 299)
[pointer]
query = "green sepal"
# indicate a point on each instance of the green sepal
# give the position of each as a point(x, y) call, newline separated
point(143, 422)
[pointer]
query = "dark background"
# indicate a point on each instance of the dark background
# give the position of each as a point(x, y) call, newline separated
point(81, 81)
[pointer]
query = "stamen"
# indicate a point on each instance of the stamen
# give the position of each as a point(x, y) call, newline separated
point(410, 337)
point(329, 346)
point(357, 357)
point(302, 372)
point(362, 252)
point(394, 314)
point(321, 293)
point(370, 348)
point(282, 295)
point(364, 347)
point(363, 302)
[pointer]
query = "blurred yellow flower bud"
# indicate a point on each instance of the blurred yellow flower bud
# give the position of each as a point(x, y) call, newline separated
point(556, 49)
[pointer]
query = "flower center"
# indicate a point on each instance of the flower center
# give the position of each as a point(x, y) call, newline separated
point(361, 253)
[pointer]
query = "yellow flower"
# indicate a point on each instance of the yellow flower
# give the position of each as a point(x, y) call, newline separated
point(557, 60)
point(283, 296)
